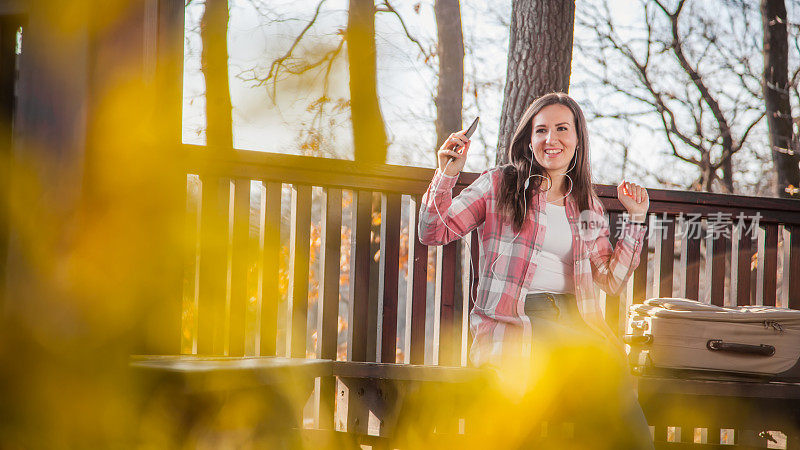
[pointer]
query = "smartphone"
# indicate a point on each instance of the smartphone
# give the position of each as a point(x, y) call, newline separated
point(473, 126)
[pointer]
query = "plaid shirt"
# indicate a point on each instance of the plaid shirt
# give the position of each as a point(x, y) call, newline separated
point(498, 321)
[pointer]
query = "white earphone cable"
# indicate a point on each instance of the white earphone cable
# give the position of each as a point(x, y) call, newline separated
point(524, 214)
point(525, 198)
point(472, 272)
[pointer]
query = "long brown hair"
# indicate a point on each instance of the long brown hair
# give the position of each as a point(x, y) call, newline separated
point(511, 201)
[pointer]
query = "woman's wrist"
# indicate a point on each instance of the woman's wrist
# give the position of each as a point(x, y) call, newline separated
point(445, 181)
point(447, 173)
point(450, 171)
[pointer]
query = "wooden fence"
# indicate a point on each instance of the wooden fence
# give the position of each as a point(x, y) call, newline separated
point(722, 249)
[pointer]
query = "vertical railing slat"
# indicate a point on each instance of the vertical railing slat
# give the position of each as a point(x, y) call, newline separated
point(744, 260)
point(770, 264)
point(474, 270)
point(713, 435)
point(269, 244)
point(692, 235)
point(240, 257)
point(640, 274)
point(719, 250)
point(389, 274)
point(417, 288)
point(359, 276)
point(613, 301)
point(373, 296)
point(351, 408)
point(687, 433)
point(446, 294)
point(473, 267)
point(213, 265)
point(667, 242)
point(328, 303)
point(660, 433)
point(299, 248)
point(190, 264)
point(794, 267)
point(330, 249)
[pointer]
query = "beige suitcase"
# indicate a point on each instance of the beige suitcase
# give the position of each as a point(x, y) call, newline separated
point(682, 334)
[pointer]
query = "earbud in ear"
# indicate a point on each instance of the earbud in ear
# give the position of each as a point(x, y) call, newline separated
point(525, 186)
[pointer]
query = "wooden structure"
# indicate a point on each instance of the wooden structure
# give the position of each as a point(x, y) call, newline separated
point(717, 252)
point(360, 395)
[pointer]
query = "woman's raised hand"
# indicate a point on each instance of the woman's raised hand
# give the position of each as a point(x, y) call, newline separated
point(454, 151)
point(635, 199)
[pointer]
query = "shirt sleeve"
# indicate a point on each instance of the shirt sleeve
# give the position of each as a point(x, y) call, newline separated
point(611, 267)
point(442, 218)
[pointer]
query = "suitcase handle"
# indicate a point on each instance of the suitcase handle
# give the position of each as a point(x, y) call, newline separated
point(632, 339)
point(718, 345)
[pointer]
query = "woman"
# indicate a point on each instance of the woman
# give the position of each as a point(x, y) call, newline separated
point(545, 245)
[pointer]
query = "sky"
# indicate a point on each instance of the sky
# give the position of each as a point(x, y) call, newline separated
point(275, 118)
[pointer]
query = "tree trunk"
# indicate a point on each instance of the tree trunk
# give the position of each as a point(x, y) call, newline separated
point(369, 135)
point(214, 62)
point(449, 97)
point(539, 59)
point(775, 85)
point(450, 48)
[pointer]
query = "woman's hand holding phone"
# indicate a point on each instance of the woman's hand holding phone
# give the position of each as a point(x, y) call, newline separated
point(454, 152)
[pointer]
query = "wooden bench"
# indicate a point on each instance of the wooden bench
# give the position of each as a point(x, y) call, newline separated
point(235, 196)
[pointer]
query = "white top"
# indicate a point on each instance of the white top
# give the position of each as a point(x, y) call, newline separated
point(554, 268)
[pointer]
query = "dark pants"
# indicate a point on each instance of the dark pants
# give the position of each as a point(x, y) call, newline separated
point(588, 380)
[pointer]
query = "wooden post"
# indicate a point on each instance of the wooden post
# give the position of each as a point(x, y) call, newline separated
point(8, 69)
point(97, 201)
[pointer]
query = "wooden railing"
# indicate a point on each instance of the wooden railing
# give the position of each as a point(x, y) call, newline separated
point(723, 249)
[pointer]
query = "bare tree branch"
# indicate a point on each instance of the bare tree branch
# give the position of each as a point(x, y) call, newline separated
point(747, 130)
point(692, 115)
point(390, 9)
point(275, 67)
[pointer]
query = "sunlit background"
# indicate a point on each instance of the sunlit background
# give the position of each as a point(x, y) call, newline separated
point(108, 227)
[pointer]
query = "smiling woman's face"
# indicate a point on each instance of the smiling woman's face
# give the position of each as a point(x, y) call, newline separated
point(553, 138)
